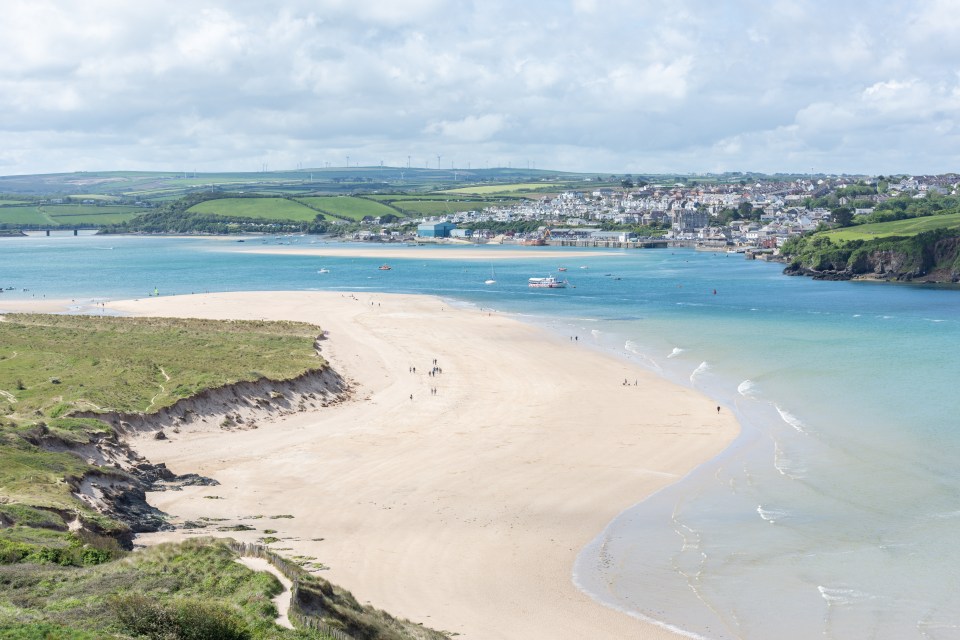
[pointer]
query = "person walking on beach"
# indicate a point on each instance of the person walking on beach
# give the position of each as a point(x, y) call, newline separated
point(718, 409)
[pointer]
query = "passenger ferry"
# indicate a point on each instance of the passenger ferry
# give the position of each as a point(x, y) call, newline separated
point(547, 283)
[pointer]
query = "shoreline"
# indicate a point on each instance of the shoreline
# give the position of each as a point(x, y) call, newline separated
point(464, 510)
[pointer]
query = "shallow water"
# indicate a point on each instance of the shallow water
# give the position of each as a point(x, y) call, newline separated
point(835, 508)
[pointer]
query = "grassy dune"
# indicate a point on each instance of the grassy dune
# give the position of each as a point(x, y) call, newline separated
point(51, 366)
point(56, 583)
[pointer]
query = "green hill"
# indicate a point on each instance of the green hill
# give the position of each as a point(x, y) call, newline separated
point(257, 208)
point(899, 228)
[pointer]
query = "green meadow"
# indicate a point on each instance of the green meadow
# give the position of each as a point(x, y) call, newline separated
point(416, 208)
point(350, 207)
point(265, 208)
point(54, 215)
point(504, 188)
point(905, 228)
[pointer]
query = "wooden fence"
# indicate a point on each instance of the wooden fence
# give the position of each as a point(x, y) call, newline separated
point(293, 573)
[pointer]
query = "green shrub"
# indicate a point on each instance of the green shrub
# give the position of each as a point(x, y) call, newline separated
point(182, 619)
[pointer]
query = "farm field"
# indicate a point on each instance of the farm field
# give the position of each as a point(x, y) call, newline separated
point(504, 188)
point(23, 215)
point(350, 207)
point(67, 215)
point(266, 208)
point(910, 227)
point(439, 207)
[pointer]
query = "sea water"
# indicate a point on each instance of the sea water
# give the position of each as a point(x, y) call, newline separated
point(835, 512)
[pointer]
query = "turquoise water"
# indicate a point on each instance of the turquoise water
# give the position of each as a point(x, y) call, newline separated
point(833, 515)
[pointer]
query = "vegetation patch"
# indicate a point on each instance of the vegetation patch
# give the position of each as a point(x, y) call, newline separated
point(258, 208)
point(52, 366)
point(901, 228)
point(505, 188)
point(350, 207)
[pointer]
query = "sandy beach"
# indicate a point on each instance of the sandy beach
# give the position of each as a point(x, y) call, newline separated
point(463, 508)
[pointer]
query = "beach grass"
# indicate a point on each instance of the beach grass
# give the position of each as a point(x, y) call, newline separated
point(52, 366)
point(96, 600)
point(191, 590)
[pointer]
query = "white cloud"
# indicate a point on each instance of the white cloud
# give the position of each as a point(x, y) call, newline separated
point(593, 85)
point(469, 129)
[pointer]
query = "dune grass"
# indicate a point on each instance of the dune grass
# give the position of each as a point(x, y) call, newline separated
point(125, 598)
point(52, 364)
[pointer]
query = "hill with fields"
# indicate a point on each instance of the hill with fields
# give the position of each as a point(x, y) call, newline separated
point(153, 186)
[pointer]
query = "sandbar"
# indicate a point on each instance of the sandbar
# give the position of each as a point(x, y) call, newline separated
point(463, 509)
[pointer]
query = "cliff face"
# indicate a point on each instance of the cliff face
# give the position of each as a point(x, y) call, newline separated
point(934, 258)
point(117, 487)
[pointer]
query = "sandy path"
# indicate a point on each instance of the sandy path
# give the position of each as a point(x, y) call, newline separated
point(463, 510)
point(282, 599)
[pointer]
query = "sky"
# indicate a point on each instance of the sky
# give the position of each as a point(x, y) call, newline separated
point(613, 86)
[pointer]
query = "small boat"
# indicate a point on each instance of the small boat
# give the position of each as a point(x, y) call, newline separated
point(546, 283)
point(324, 271)
point(561, 268)
point(384, 267)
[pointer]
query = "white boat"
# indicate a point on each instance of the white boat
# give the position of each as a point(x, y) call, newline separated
point(324, 271)
point(547, 283)
point(492, 279)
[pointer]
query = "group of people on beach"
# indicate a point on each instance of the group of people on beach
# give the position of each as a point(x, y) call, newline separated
point(434, 372)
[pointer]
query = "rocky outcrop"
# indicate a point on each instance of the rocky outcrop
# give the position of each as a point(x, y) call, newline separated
point(121, 477)
point(924, 258)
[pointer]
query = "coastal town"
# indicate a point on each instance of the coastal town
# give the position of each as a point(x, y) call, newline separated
point(740, 216)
